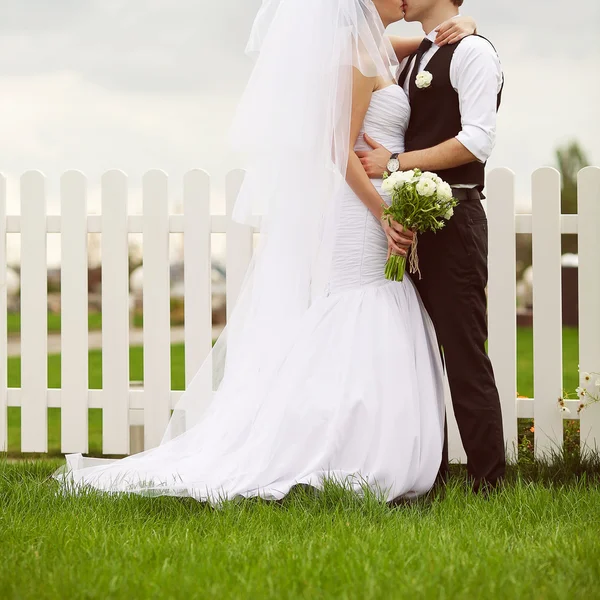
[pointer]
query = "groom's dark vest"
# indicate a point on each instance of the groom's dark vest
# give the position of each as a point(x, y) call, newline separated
point(435, 115)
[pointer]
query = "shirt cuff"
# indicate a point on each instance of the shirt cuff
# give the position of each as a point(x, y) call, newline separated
point(477, 142)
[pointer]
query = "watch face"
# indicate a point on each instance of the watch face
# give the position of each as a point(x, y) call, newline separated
point(393, 165)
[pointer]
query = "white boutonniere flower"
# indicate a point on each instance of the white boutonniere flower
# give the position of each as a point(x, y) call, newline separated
point(424, 79)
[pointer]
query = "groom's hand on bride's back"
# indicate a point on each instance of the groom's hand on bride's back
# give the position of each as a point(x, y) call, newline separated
point(374, 161)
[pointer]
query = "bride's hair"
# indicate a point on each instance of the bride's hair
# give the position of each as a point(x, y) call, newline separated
point(457, 2)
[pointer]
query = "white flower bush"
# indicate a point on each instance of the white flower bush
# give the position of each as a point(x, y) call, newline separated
point(584, 394)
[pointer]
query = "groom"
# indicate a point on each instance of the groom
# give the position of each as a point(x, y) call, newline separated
point(452, 132)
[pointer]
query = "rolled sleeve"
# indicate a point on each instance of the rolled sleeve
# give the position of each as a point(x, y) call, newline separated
point(476, 75)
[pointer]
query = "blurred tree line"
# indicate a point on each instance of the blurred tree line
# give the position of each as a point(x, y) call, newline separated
point(570, 159)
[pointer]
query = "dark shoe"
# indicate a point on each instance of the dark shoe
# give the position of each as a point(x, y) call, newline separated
point(485, 487)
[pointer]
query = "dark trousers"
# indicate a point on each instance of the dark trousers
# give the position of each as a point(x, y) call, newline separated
point(453, 264)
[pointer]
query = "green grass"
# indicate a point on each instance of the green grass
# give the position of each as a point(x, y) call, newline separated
point(136, 369)
point(136, 358)
point(13, 324)
point(534, 539)
point(525, 360)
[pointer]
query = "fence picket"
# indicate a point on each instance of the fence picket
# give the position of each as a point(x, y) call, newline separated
point(239, 243)
point(502, 293)
point(115, 314)
point(3, 321)
point(74, 313)
point(34, 314)
point(197, 270)
point(157, 317)
point(589, 299)
point(547, 311)
point(116, 399)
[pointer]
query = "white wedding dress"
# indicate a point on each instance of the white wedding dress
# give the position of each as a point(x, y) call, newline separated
point(359, 398)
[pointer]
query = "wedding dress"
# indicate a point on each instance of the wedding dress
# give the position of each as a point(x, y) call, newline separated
point(358, 397)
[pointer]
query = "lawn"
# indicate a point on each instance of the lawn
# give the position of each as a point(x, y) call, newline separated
point(13, 323)
point(536, 539)
point(136, 358)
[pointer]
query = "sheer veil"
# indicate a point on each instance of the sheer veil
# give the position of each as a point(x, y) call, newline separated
point(293, 127)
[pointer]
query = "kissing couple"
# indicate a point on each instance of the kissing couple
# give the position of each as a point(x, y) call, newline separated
point(327, 369)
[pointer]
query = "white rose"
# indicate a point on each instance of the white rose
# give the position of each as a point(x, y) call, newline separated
point(424, 79)
point(406, 177)
point(449, 214)
point(444, 191)
point(426, 187)
point(438, 180)
point(430, 175)
point(388, 185)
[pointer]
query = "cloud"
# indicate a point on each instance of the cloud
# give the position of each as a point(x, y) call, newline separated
point(113, 83)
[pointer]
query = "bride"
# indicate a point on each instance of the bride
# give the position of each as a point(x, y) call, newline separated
point(325, 369)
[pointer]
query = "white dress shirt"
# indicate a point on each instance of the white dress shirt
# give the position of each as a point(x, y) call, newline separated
point(476, 75)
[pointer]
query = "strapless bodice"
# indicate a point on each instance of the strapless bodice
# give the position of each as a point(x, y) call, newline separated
point(386, 119)
point(361, 246)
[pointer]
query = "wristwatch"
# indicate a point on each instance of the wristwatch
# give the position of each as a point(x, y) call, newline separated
point(393, 164)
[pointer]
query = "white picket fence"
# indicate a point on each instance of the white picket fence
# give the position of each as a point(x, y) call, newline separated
point(121, 404)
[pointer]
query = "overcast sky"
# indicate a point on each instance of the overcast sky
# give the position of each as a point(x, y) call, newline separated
point(131, 84)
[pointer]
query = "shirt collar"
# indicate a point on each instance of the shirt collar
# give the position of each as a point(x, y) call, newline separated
point(433, 34)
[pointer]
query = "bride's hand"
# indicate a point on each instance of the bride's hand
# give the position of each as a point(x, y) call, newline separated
point(454, 30)
point(399, 239)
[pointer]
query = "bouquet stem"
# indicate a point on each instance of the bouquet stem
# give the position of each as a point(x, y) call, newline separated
point(395, 268)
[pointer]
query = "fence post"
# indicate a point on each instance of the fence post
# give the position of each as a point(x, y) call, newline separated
point(589, 299)
point(3, 321)
point(157, 313)
point(547, 312)
point(502, 293)
point(239, 243)
point(34, 314)
point(197, 270)
point(74, 312)
point(115, 314)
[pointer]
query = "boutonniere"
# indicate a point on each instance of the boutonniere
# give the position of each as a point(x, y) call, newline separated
point(424, 79)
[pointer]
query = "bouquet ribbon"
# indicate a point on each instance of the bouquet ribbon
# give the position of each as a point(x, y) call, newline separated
point(414, 257)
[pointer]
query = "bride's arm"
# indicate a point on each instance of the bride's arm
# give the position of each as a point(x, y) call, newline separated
point(357, 179)
point(404, 47)
point(449, 32)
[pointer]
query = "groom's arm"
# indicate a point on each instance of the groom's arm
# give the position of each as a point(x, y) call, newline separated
point(476, 75)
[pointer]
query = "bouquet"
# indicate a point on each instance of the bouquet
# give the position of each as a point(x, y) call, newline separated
point(420, 202)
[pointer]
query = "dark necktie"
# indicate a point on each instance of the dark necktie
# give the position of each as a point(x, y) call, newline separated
point(423, 48)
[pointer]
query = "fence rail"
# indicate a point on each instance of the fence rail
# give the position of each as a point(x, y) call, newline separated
point(122, 405)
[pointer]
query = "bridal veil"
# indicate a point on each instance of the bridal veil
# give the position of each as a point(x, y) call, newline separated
point(292, 126)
